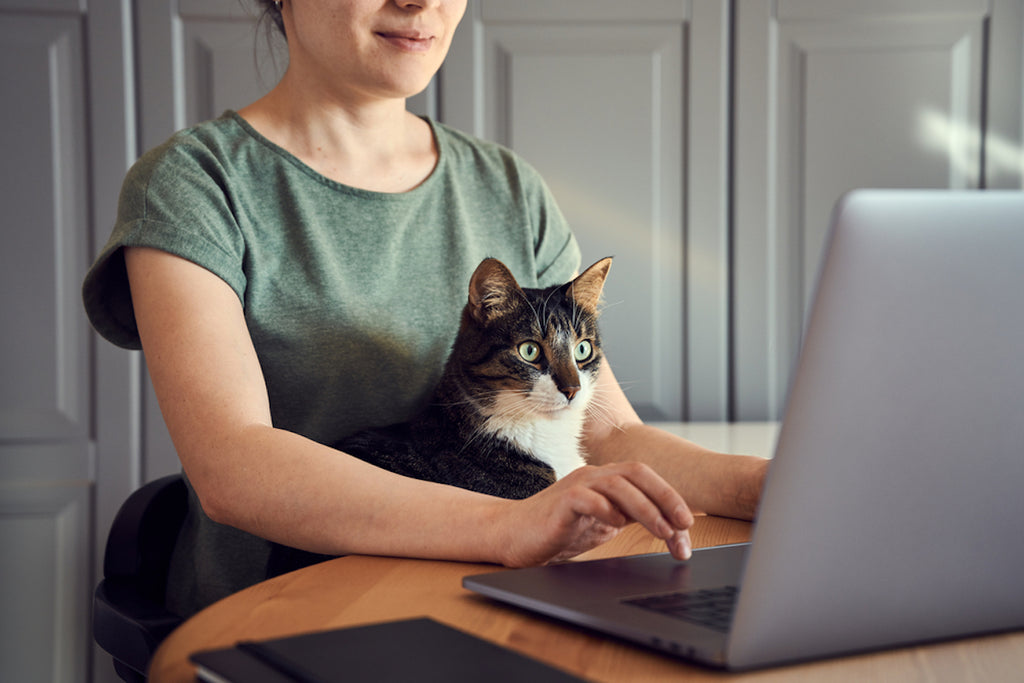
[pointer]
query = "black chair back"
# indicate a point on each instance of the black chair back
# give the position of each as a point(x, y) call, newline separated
point(130, 618)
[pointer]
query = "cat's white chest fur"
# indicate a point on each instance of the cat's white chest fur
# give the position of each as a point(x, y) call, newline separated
point(544, 424)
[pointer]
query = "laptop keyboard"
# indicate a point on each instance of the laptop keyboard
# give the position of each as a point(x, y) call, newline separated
point(709, 607)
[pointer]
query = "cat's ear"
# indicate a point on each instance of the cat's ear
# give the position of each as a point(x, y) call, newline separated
point(586, 289)
point(492, 291)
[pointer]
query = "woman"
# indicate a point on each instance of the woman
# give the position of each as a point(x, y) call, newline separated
point(294, 272)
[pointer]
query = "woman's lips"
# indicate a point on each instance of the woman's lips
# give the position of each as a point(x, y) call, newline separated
point(408, 41)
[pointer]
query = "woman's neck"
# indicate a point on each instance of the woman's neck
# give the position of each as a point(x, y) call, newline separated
point(374, 145)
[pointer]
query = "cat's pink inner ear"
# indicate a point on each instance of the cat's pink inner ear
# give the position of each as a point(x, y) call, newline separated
point(586, 289)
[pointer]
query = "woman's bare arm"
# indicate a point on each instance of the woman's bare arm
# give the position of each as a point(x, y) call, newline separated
point(711, 482)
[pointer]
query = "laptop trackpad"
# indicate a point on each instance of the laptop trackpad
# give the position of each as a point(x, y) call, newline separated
point(635, 576)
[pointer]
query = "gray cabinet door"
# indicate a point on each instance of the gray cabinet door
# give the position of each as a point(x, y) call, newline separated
point(46, 465)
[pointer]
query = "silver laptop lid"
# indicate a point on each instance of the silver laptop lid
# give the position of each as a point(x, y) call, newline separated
point(893, 508)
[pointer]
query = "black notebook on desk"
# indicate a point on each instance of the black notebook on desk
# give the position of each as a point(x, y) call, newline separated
point(411, 650)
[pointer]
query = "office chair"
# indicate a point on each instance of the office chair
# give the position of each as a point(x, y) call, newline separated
point(130, 619)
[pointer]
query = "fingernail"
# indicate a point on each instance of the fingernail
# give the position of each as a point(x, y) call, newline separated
point(684, 541)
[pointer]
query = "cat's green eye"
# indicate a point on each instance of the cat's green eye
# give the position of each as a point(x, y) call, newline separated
point(529, 351)
point(583, 351)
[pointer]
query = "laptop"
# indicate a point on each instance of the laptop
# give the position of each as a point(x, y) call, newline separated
point(892, 511)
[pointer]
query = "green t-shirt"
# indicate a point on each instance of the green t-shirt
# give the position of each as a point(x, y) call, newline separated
point(351, 297)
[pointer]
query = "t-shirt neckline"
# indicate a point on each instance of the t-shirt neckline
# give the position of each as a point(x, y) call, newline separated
point(351, 189)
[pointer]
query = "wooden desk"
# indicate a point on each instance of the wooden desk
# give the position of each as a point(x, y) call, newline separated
point(357, 590)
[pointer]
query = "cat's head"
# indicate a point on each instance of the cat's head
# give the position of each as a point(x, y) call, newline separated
point(531, 352)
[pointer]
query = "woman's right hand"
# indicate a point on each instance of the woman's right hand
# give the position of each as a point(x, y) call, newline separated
point(588, 507)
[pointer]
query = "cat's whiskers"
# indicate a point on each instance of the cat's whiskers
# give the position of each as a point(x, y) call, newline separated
point(474, 400)
point(511, 403)
point(476, 435)
point(491, 427)
point(599, 410)
point(544, 423)
point(483, 402)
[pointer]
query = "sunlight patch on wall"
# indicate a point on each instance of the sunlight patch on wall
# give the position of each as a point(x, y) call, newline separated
point(961, 145)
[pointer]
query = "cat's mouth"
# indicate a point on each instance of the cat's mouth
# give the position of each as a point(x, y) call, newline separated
point(551, 408)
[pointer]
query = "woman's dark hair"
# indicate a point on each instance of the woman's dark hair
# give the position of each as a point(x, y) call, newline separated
point(269, 11)
point(271, 25)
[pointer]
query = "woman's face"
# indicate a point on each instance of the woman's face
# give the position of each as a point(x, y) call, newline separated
point(369, 49)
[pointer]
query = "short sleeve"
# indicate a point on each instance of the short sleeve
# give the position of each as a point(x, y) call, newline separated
point(556, 251)
point(170, 200)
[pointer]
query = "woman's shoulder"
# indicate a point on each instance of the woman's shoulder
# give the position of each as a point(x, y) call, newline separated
point(463, 140)
point(211, 141)
point(472, 154)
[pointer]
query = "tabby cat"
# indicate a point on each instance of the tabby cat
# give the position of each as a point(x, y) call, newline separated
point(507, 414)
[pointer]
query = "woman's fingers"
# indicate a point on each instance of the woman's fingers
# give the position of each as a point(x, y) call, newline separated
point(588, 507)
point(679, 545)
point(623, 493)
point(585, 499)
point(640, 495)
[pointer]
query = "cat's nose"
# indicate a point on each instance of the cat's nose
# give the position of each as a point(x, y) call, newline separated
point(569, 392)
